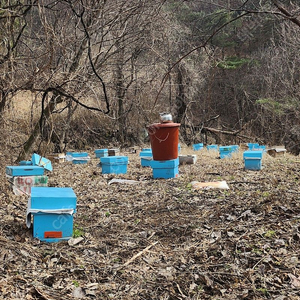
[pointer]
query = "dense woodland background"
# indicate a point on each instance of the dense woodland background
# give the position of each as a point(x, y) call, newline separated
point(79, 73)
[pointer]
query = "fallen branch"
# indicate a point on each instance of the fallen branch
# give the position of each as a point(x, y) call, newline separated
point(235, 133)
point(138, 255)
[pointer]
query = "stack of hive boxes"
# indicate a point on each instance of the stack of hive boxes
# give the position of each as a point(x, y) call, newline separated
point(52, 209)
point(114, 164)
point(24, 177)
point(253, 159)
point(28, 174)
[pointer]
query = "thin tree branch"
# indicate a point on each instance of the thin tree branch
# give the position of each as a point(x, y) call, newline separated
point(193, 50)
point(93, 66)
point(286, 13)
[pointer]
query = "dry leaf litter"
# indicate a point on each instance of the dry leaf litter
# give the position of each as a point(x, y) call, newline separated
point(161, 239)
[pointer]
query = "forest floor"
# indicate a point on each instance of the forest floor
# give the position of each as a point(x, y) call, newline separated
point(160, 238)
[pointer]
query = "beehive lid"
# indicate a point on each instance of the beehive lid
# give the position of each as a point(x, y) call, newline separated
point(24, 170)
point(41, 161)
point(146, 153)
point(78, 154)
point(255, 154)
point(101, 151)
point(52, 198)
point(114, 160)
point(225, 148)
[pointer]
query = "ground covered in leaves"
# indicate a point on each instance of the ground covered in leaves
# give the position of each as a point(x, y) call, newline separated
point(161, 239)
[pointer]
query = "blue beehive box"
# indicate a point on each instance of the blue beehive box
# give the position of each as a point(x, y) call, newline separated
point(146, 161)
point(197, 147)
point(25, 163)
point(79, 161)
point(77, 154)
point(147, 153)
point(146, 157)
point(261, 147)
point(212, 147)
point(52, 209)
point(179, 148)
point(252, 146)
point(165, 168)
point(146, 149)
point(24, 170)
point(253, 159)
point(101, 153)
point(114, 164)
point(225, 151)
point(78, 157)
point(234, 148)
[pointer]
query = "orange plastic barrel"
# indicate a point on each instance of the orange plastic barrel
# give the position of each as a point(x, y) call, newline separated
point(164, 138)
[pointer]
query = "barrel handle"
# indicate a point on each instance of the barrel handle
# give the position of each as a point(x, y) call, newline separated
point(162, 140)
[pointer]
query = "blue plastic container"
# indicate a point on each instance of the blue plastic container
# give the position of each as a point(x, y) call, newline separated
point(52, 209)
point(101, 153)
point(114, 164)
point(225, 152)
point(212, 147)
point(253, 159)
point(197, 147)
point(146, 149)
point(24, 170)
point(165, 168)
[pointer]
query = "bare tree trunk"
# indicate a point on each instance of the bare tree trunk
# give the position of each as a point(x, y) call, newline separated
point(37, 128)
point(180, 101)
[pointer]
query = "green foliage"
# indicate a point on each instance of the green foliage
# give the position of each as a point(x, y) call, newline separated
point(75, 283)
point(279, 108)
point(271, 105)
point(263, 291)
point(270, 234)
point(232, 63)
point(77, 232)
